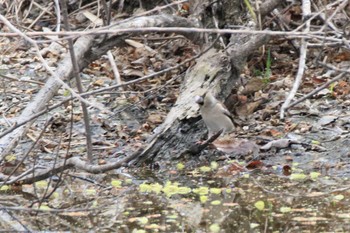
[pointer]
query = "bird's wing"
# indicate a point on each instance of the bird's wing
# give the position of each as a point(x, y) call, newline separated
point(224, 110)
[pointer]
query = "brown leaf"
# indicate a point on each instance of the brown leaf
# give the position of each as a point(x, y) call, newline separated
point(102, 162)
point(343, 56)
point(253, 85)
point(98, 82)
point(318, 80)
point(240, 147)
point(290, 126)
point(242, 99)
point(248, 109)
point(255, 164)
point(48, 143)
point(287, 170)
point(273, 133)
point(231, 169)
point(155, 118)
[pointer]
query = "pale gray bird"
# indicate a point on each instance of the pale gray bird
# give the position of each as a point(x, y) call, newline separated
point(214, 114)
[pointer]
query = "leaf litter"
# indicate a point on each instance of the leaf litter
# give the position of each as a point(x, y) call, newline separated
point(287, 182)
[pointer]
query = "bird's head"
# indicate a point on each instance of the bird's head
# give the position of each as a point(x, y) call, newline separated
point(207, 99)
point(199, 99)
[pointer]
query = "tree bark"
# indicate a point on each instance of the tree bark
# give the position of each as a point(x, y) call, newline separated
point(216, 70)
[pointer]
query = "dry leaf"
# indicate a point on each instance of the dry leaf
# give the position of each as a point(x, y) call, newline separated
point(93, 18)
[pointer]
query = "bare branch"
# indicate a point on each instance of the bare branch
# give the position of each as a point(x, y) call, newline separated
point(76, 70)
point(74, 162)
point(302, 60)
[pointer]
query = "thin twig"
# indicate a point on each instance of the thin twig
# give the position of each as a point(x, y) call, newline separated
point(76, 69)
point(19, 80)
point(292, 34)
point(114, 68)
point(302, 60)
point(325, 85)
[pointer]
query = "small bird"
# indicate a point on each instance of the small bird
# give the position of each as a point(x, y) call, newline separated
point(215, 115)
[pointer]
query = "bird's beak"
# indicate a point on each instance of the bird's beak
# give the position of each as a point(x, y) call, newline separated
point(199, 99)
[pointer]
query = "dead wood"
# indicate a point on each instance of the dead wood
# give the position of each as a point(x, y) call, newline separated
point(74, 162)
point(218, 71)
